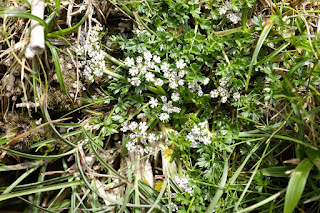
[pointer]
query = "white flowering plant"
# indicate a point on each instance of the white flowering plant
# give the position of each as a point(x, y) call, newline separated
point(183, 106)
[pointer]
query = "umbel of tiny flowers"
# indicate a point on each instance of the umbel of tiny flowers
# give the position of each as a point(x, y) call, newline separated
point(234, 17)
point(150, 69)
point(166, 106)
point(184, 184)
point(92, 58)
point(199, 134)
point(138, 136)
point(223, 92)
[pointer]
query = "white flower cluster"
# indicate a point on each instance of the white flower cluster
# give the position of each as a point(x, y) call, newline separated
point(199, 134)
point(146, 68)
point(195, 86)
point(183, 182)
point(91, 57)
point(234, 17)
point(139, 134)
point(223, 92)
point(166, 106)
point(174, 207)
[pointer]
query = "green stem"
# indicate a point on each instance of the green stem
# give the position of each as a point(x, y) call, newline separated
point(116, 61)
point(109, 72)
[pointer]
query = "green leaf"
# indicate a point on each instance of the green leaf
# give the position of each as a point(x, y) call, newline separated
point(262, 38)
point(296, 185)
point(263, 202)
point(25, 15)
point(42, 189)
point(37, 157)
point(276, 171)
point(57, 3)
point(314, 157)
point(273, 54)
point(68, 30)
point(57, 66)
point(217, 196)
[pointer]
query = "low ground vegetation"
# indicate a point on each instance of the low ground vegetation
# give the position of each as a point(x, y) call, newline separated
point(160, 106)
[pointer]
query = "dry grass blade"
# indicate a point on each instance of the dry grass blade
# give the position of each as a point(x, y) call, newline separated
point(25, 134)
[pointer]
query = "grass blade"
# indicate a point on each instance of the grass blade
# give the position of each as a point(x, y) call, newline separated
point(57, 3)
point(219, 192)
point(38, 157)
point(314, 156)
point(21, 178)
point(25, 15)
point(57, 66)
point(276, 171)
point(261, 203)
point(273, 54)
point(296, 185)
point(42, 189)
point(262, 38)
point(68, 30)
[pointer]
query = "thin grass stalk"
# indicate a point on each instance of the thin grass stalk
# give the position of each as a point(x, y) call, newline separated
point(217, 196)
point(261, 40)
point(42, 189)
point(37, 197)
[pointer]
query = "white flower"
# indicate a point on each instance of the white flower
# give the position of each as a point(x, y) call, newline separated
point(206, 140)
point(135, 81)
point(157, 59)
point(203, 124)
point(173, 85)
point(153, 102)
point(224, 93)
point(133, 125)
point(175, 97)
point(206, 81)
point(200, 93)
point(176, 109)
point(194, 144)
point(143, 126)
point(139, 59)
point(124, 127)
point(181, 82)
point(149, 76)
point(166, 74)
point(147, 56)
point(224, 99)
point(164, 108)
point(158, 82)
point(234, 17)
point(143, 70)
point(196, 130)
point(164, 99)
point(148, 149)
point(143, 140)
point(165, 66)
point(190, 137)
point(220, 89)
point(180, 64)
point(181, 73)
point(152, 137)
point(129, 62)
point(223, 82)
point(236, 95)
point(223, 10)
point(131, 146)
point(133, 71)
point(164, 117)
